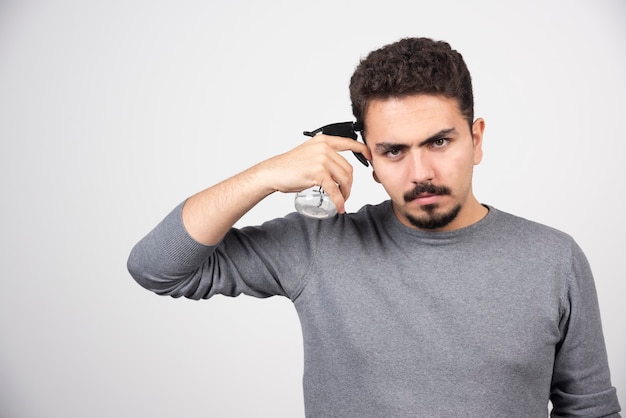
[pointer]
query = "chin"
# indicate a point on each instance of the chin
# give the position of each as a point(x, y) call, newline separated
point(433, 218)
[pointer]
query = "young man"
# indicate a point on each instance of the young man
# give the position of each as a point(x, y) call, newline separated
point(429, 304)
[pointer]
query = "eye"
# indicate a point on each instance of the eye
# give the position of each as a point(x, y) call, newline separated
point(394, 153)
point(439, 142)
point(391, 151)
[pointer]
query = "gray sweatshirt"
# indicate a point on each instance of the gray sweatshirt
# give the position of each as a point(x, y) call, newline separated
point(492, 320)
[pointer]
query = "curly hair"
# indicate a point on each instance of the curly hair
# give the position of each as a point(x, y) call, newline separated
point(412, 66)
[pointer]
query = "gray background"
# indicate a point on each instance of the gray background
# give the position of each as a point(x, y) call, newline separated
point(112, 112)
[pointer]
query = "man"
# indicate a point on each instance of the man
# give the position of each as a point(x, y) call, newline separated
point(429, 304)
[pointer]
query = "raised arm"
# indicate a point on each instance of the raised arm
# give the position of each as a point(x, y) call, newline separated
point(179, 256)
point(209, 215)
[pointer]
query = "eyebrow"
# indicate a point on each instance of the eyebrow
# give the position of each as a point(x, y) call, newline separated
point(385, 147)
point(442, 134)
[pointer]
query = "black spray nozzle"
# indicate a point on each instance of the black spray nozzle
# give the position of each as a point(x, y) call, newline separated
point(344, 129)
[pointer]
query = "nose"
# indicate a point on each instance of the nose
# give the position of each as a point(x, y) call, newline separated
point(421, 167)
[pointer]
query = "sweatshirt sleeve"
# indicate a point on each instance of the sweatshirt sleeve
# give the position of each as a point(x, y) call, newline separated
point(581, 383)
point(252, 261)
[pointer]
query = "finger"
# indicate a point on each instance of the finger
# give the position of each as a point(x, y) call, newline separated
point(333, 190)
point(334, 167)
point(342, 175)
point(339, 183)
point(345, 144)
point(327, 162)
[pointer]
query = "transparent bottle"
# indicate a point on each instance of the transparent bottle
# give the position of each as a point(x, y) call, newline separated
point(315, 203)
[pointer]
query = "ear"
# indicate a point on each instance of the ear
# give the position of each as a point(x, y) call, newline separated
point(478, 128)
point(375, 177)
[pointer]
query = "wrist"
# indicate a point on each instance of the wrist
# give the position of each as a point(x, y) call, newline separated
point(261, 179)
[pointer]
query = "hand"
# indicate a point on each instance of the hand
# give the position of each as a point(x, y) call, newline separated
point(316, 162)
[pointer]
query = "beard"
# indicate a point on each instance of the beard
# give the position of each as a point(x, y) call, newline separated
point(433, 218)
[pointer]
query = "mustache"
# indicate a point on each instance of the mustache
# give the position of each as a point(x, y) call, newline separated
point(428, 188)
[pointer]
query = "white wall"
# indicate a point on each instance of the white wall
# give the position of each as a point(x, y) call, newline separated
point(112, 112)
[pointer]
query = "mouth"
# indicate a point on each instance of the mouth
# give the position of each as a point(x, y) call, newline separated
point(427, 199)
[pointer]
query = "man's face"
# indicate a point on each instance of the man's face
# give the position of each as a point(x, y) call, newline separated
point(423, 153)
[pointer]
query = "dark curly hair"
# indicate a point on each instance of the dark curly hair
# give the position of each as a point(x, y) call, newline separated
point(412, 66)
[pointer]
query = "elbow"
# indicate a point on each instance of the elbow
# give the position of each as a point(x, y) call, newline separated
point(152, 277)
point(139, 271)
point(147, 271)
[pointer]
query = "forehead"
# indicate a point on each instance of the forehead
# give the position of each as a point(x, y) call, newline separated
point(411, 117)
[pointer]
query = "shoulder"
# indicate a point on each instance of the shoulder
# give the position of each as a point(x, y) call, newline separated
point(369, 219)
point(530, 235)
point(368, 222)
point(295, 226)
point(376, 213)
point(523, 227)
